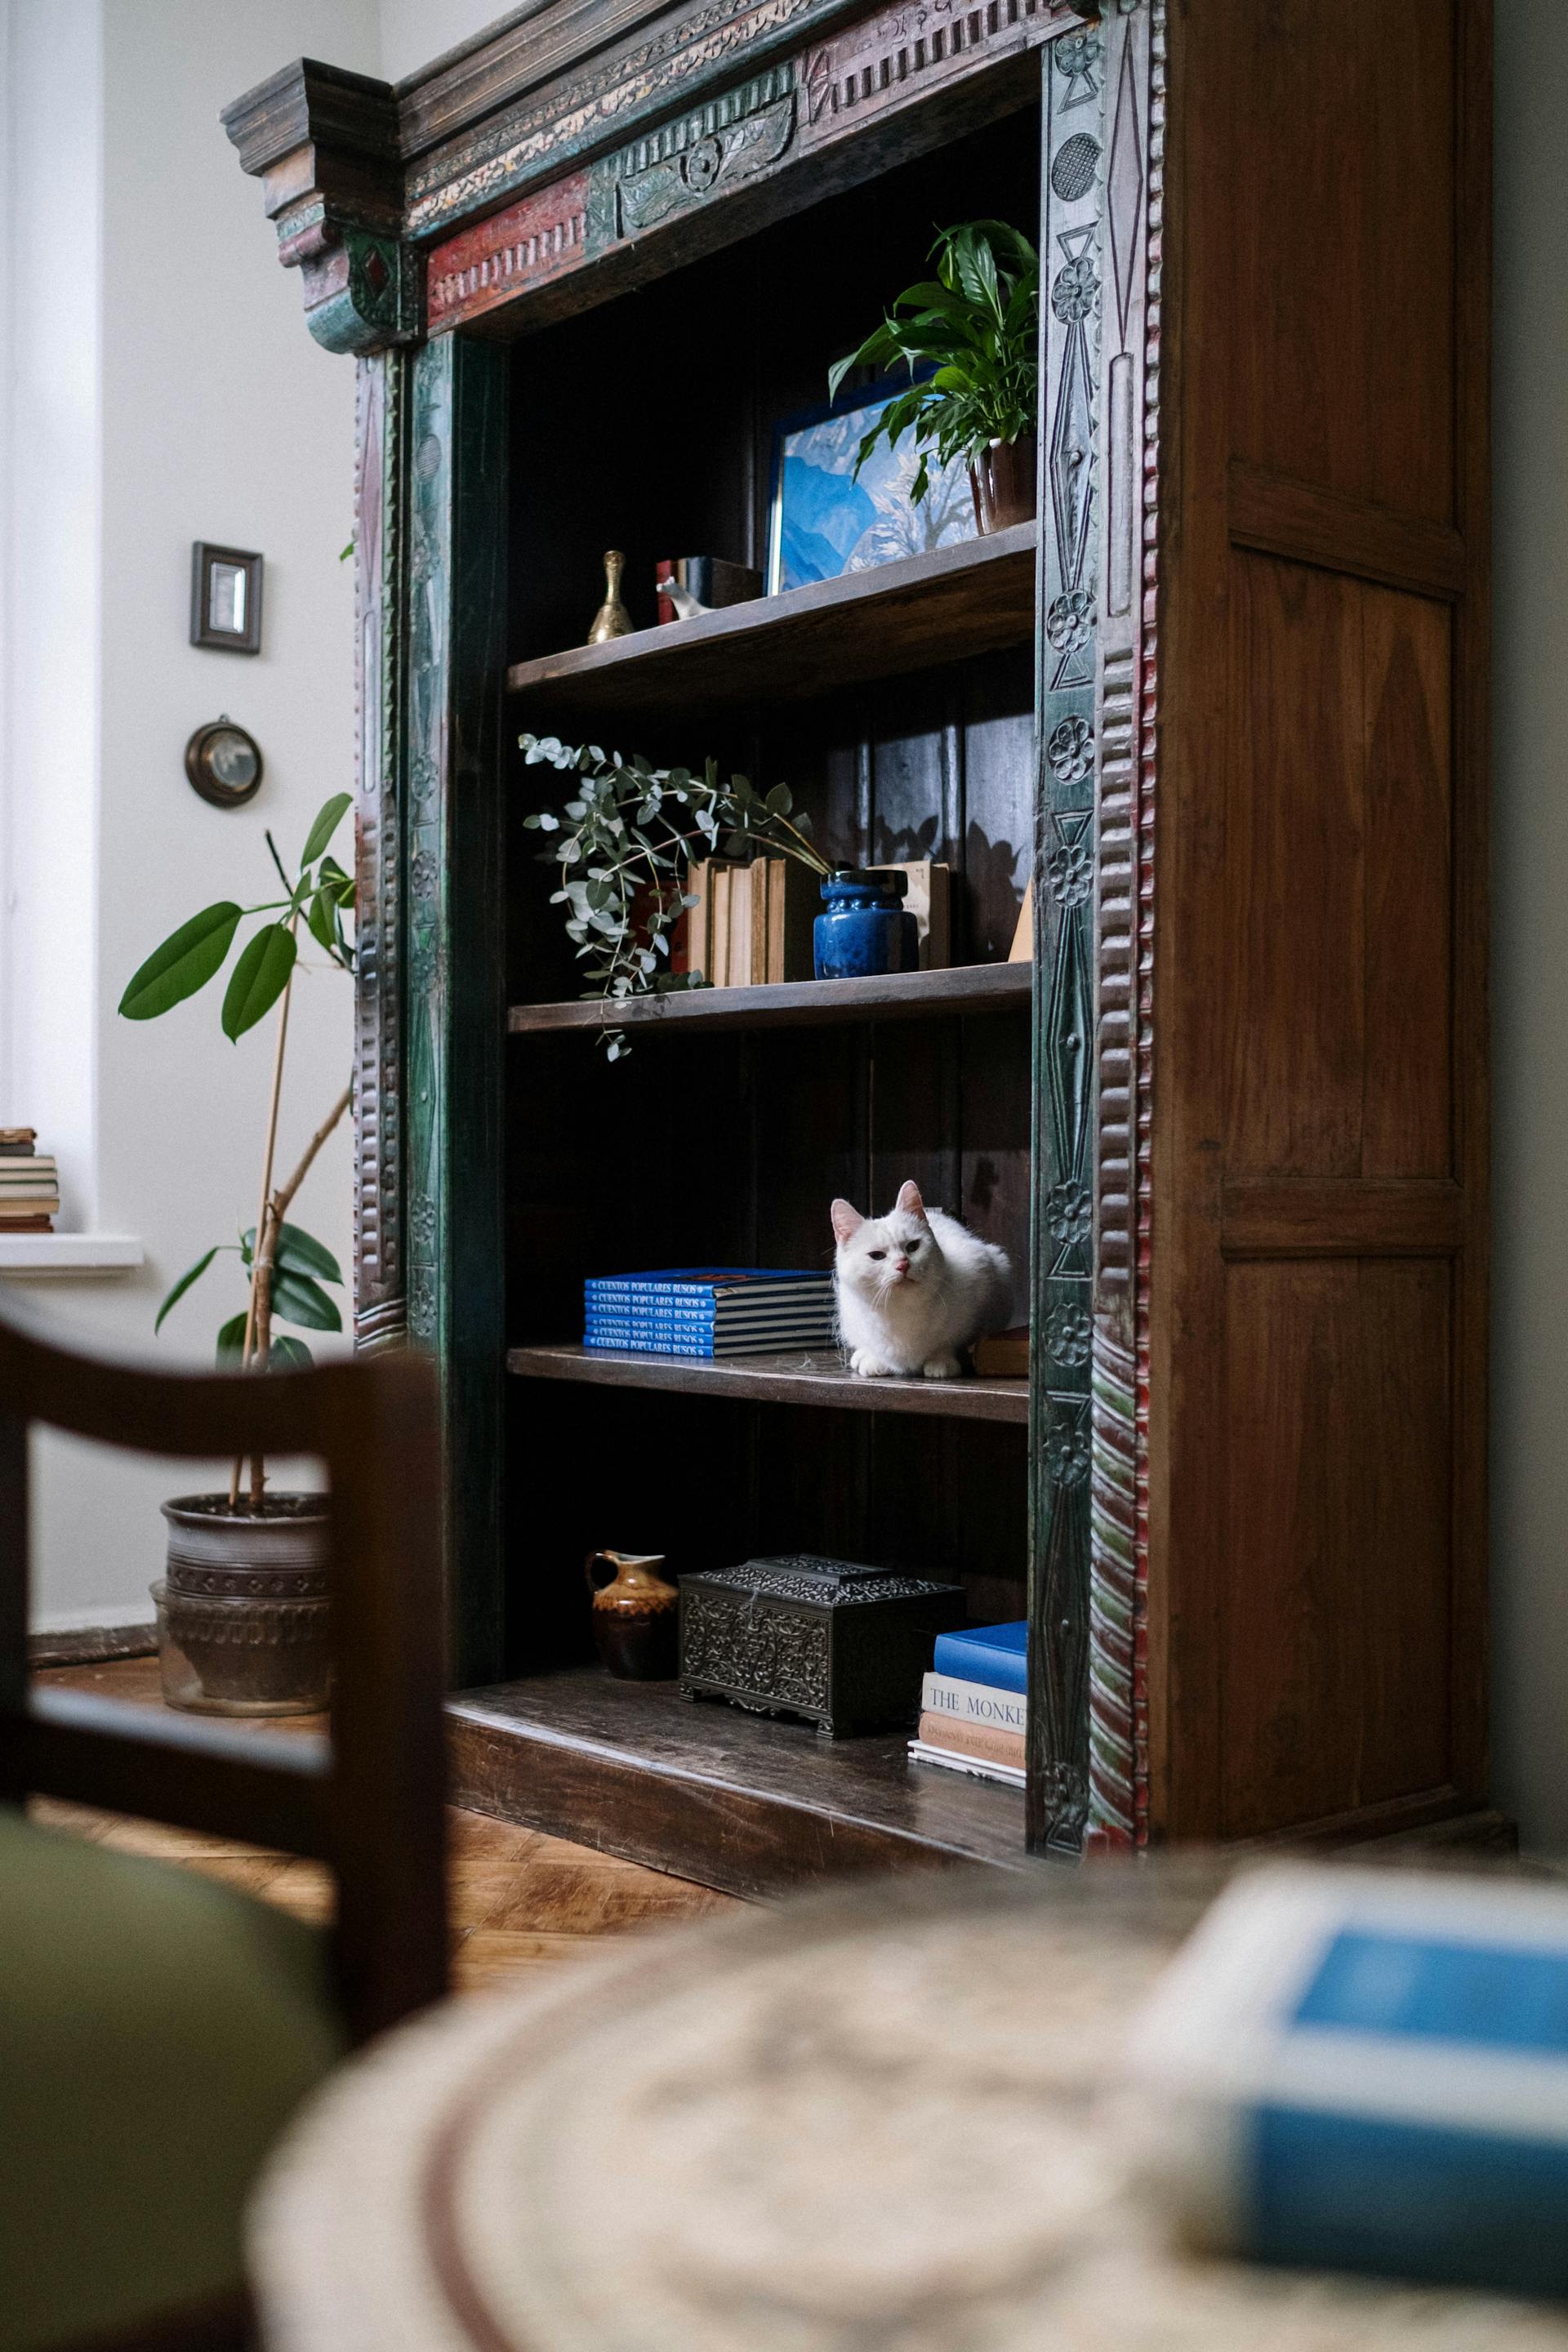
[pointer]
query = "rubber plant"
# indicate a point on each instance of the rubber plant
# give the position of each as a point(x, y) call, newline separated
point(286, 1268)
point(627, 833)
point(969, 339)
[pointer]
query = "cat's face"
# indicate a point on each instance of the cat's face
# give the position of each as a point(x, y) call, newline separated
point(879, 1256)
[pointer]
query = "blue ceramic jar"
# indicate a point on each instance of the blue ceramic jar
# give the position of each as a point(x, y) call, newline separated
point(863, 928)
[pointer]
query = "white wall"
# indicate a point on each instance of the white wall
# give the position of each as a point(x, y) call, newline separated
point(166, 390)
point(1529, 1416)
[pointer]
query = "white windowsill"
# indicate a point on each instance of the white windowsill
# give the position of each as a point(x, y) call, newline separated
point(57, 1253)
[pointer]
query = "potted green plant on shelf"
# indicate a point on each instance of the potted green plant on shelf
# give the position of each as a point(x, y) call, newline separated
point(970, 340)
point(243, 1612)
point(627, 834)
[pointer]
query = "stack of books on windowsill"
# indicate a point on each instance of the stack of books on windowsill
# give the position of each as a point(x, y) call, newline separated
point(974, 1708)
point(29, 1185)
point(709, 1310)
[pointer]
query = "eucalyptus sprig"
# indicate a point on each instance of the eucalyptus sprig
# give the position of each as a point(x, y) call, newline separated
point(969, 342)
point(627, 834)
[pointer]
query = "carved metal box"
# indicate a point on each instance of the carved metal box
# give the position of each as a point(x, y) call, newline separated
point(841, 1644)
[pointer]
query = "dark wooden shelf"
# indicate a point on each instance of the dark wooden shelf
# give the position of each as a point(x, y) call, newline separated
point(795, 1003)
point(799, 1377)
point(705, 1791)
point(899, 616)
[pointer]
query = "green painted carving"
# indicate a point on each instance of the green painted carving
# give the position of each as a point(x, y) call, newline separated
point(380, 1296)
point(1062, 1246)
point(454, 1011)
point(372, 299)
point(726, 140)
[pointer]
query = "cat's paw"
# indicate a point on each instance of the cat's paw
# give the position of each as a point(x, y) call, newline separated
point(870, 1367)
point(940, 1368)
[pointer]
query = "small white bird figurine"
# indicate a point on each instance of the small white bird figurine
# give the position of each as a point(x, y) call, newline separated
point(685, 604)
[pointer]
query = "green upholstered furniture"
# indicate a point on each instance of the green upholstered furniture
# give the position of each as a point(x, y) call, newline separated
point(156, 2031)
point(157, 2028)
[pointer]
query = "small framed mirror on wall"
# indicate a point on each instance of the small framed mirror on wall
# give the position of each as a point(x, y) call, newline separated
point(226, 598)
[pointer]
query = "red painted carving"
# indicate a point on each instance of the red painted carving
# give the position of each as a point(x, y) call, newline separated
point(537, 239)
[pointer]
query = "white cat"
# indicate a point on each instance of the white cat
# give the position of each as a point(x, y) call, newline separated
point(914, 1287)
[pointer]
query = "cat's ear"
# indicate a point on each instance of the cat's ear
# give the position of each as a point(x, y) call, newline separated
point(909, 1199)
point(847, 1219)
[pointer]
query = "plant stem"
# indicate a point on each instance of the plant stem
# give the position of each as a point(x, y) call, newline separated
point(285, 1193)
point(258, 1313)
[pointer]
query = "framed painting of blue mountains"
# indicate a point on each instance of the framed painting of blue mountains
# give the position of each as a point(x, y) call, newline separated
point(825, 520)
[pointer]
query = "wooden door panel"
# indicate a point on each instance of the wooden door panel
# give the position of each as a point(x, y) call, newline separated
point(1335, 1602)
point(1337, 862)
point(1340, 252)
point(1406, 701)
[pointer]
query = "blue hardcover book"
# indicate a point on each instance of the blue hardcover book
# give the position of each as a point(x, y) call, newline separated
point(649, 1344)
point(708, 1319)
point(717, 1284)
point(1368, 2071)
point(699, 1336)
point(984, 1653)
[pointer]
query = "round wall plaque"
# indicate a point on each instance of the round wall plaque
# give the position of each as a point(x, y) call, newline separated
point(224, 763)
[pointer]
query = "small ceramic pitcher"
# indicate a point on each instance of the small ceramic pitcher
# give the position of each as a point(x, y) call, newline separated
point(635, 1615)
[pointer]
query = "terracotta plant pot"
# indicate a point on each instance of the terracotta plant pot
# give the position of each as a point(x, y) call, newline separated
point(636, 1615)
point(1003, 481)
point(244, 1613)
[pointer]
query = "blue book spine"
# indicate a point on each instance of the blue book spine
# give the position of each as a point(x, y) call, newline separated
point(717, 1290)
point(694, 1321)
point(964, 1659)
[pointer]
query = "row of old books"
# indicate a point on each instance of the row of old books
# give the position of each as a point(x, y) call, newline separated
point(975, 1707)
point(752, 924)
point(709, 1310)
point(29, 1183)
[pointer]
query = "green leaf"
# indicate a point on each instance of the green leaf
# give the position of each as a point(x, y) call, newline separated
point(298, 1299)
point(319, 916)
point(259, 979)
point(331, 877)
point(192, 1274)
point(780, 800)
point(186, 961)
point(329, 817)
point(231, 1340)
point(287, 1354)
point(296, 1252)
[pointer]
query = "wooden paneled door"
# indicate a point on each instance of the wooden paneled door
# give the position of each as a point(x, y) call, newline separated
point(1317, 1301)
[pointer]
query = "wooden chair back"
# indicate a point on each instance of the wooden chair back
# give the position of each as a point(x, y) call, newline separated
point(369, 1799)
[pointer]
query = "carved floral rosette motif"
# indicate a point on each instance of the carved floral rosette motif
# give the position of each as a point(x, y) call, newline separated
point(1134, 54)
point(777, 118)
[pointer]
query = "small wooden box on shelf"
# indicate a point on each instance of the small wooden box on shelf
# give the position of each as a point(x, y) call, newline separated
point(1231, 1125)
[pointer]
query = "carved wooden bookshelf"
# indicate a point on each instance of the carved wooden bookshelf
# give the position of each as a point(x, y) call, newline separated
point(1226, 705)
point(801, 1378)
point(955, 601)
point(793, 1005)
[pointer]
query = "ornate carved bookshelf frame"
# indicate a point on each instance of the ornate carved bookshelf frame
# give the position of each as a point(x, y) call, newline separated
point(573, 153)
point(542, 170)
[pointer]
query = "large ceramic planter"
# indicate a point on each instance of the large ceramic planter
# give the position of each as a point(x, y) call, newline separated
point(245, 1612)
point(1002, 481)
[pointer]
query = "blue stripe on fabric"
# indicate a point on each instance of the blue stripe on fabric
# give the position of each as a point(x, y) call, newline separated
point(1420, 2201)
point(1493, 1996)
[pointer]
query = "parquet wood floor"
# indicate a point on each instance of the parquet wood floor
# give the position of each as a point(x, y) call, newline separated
point(519, 1901)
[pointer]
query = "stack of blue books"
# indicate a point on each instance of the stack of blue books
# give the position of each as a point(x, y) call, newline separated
point(709, 1310)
